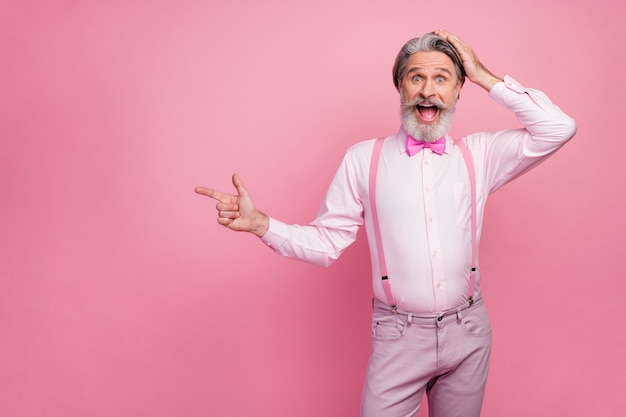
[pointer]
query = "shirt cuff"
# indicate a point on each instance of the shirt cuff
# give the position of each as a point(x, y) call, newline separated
point(500, 90)
point(276, 234)
point(508, 92)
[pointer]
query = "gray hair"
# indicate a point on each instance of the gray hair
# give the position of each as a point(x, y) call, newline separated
point(426, 43)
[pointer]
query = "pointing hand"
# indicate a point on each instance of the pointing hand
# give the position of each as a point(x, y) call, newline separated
point(237, 212)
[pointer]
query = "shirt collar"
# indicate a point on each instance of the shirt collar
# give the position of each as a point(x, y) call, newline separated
point(401, 142)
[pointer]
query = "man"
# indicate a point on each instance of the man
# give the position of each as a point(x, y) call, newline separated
point(430, 330)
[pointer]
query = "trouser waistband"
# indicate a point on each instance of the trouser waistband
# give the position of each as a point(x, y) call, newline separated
point(381, 306)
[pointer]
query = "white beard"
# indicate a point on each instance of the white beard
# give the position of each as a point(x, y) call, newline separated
point(427, 132)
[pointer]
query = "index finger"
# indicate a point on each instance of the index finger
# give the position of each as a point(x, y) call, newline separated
point(209, 192)
point(450, 37)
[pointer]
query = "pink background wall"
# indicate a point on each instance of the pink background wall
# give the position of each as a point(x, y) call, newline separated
point(121, 296)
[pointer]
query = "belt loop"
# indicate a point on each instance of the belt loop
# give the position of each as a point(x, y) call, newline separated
point(409, 318)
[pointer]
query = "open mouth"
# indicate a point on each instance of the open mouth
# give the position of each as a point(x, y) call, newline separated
point(427, 113)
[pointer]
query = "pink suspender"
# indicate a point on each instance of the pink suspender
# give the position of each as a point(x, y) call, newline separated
point(469, 163)
point(378, 145)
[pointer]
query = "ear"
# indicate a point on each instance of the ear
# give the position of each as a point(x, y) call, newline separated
point(459, 87)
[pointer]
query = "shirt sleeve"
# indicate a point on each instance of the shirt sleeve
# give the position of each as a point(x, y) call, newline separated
point(510, 153)
point(334, 229)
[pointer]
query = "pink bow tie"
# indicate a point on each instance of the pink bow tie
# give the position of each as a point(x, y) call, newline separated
point(413, 145)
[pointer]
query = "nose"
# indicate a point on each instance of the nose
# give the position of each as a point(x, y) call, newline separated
point(428, 89)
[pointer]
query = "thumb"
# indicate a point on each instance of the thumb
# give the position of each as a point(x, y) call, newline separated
point(241, 190)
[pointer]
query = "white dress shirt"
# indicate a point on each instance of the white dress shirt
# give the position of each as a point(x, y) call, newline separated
point(424, 202)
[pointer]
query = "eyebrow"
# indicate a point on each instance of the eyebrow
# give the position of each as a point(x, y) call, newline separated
point(415, 69)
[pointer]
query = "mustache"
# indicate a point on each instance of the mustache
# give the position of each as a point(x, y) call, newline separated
point(418, 101)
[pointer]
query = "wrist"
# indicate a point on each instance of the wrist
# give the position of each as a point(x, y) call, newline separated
point(488, 81)
point(261, 225)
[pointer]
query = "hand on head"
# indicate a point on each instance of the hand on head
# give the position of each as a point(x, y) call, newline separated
point(476, 72)
point(237, 212)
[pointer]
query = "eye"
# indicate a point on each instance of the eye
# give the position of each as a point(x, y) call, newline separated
point(416, 78)
point(441, 79)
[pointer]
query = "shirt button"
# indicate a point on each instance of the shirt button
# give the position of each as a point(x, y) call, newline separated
point(430, 220)
point(439, 285)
